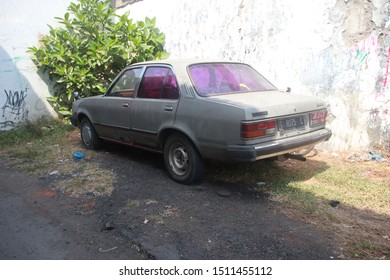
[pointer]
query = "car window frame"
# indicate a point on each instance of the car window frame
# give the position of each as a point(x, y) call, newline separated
point(119, 76)
point(170, 69)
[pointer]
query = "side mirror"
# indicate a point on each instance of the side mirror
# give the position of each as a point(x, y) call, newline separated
point(288, 89)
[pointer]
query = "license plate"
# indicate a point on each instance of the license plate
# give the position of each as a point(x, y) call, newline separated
point(292, 123)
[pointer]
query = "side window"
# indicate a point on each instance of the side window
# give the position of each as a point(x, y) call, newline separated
point(126, 84)
point(158, 83)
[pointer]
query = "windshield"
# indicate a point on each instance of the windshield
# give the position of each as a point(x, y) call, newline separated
point(224, 78)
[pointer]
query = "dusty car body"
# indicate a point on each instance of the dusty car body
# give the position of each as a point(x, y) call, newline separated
point(192, 110)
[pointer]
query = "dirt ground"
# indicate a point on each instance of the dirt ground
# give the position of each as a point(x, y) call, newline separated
point(148, 216)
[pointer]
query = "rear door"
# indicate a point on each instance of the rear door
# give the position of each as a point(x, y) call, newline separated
point(155, 105)
point(114, 108)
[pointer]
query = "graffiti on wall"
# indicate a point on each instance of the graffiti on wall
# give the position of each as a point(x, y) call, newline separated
point(362, 49)
point(360, 52)
point(14, 107)
point(382, 96)
point(14, 93)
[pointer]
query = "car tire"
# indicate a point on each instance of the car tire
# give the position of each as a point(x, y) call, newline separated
point(182, 160)
point(89, 137)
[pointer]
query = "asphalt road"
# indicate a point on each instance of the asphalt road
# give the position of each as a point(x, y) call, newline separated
point(38, 224)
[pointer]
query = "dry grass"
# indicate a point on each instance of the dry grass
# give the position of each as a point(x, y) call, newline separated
point(47, 150)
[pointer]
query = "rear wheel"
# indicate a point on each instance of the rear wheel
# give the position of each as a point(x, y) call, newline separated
point(88, 135)
point(182, 160)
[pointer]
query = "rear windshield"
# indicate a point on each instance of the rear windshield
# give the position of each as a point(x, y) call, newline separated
point(224, 78)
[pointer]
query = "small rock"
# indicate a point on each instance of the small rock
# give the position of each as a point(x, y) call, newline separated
point(334, 203)
point(109, 225)
point(341, 257)
point(47, 128)
point(201, 188)
point(224, 193)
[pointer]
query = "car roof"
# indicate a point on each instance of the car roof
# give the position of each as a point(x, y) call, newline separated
point(180, 64)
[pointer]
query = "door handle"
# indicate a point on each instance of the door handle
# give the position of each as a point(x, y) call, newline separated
point(125, 105)
point(168, 108)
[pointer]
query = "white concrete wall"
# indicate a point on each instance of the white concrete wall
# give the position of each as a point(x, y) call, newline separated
point(22, 92)
point(336, 49)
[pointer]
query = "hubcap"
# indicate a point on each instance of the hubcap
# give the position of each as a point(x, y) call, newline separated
point(86, 134)
point(178, 160)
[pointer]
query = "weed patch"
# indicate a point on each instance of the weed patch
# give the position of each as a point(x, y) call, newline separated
point(46, 149)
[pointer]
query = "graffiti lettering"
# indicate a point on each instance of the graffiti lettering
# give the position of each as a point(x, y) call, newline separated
point(362, 49)
point(382, 97)
point(14, 106)
point(386, 69)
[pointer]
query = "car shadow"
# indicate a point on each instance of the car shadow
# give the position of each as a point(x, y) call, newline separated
point(153, 159)
point(245, 178)
point(255, 179)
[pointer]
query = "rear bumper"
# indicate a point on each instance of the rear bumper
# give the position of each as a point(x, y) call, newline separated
point(278, 147)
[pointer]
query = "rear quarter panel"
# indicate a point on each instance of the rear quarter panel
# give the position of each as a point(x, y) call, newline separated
point(210, 125)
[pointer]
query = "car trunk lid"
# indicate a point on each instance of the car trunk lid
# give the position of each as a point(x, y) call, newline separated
point(271, 104)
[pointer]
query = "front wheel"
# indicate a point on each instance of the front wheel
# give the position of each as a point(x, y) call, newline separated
point(182, 160)
point(88, 135)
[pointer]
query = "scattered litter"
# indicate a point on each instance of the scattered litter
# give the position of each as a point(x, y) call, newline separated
point(150, 201)
point(365, 157)
point(146, 221)
point(107, 250)
point(47, 128)
point(358, 157)
point(55, 172)
point(78, 155)
point(386, 237)
point(376, 156)
point(169, 212)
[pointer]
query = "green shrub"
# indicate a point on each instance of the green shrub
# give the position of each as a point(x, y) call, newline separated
point(89, 49)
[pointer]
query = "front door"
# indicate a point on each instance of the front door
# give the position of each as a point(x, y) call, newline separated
point(114, 118)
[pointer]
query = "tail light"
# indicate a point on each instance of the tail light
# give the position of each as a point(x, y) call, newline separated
point(251, 130)
point(318, 118)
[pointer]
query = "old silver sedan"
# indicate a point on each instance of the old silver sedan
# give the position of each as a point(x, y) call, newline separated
point(192, 110)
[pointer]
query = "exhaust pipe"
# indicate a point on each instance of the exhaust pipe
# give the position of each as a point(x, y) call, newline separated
point(296, 157)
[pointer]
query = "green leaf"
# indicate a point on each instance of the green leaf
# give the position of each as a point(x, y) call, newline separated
point(65, 112)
